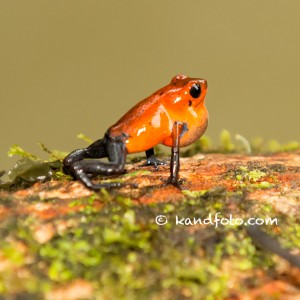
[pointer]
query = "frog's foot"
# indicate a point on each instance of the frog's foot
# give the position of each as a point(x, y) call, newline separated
point(153, 161)
point(174, 182)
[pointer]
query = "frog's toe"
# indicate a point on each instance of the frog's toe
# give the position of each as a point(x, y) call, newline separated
point(153, 161)
point(174, 182)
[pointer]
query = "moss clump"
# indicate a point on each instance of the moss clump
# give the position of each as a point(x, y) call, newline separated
point(253, 175)
point(30, 168)
point(226, 143)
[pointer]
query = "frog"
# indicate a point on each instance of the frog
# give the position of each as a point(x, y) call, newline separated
point(174, 116)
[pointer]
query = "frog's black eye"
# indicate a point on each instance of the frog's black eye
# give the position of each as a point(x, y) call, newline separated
point(195, 90)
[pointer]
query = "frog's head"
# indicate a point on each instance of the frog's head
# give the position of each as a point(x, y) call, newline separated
point(190, 89)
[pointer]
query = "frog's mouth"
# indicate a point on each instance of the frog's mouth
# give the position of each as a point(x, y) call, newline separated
point(200, 101)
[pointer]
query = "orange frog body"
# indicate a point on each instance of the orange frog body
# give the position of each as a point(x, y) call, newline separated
point(174, 116)
point(150, 122)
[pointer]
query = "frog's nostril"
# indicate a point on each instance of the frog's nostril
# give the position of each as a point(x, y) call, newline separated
point(204, 83)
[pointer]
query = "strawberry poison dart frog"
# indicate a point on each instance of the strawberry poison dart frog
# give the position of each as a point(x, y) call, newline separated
point(174, 116)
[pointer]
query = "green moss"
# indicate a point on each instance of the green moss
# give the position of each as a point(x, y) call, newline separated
point(137, 173)
point(194, 194)
point(31, 169)
point(290, 233)
point(253, 176)
point(17, 150)
point(54, 154)
point(263, 185)
point(291, 146)
point(84, 137)
point(226, 143)
point(201, 145)
point(259, 145)
point(274, 146)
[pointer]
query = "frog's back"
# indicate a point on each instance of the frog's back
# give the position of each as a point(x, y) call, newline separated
point(139, 111)
point(147, 108)
point(142, 125)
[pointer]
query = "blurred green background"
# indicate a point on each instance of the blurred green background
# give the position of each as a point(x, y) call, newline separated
point(77, 66)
